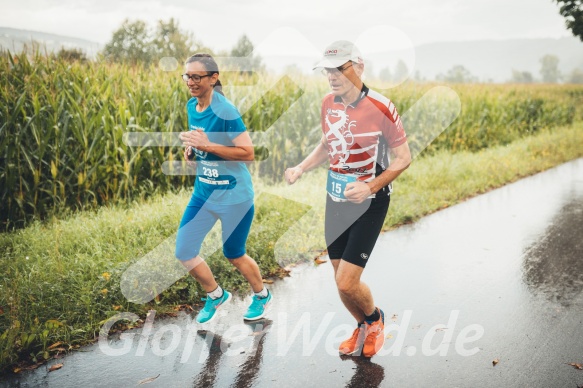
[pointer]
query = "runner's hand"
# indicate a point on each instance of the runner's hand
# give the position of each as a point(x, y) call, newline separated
point(293, 174)
point(187, 155)
point(197, 139)
point(357, 192)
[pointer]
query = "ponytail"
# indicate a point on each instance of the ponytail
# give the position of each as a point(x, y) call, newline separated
point(218, 87)
point(210, 66)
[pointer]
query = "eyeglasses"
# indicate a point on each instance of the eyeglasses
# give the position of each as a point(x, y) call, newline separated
point(334, 70)
point(195, 77)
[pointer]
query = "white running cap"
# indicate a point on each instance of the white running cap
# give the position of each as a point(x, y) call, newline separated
point(338, 53)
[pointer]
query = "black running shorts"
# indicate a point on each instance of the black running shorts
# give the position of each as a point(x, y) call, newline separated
point(352, 229)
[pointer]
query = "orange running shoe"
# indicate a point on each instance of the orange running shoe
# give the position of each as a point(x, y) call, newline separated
point(353, 345)
point(375, 336)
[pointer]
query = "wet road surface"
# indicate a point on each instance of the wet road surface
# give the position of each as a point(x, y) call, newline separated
point(498, 277)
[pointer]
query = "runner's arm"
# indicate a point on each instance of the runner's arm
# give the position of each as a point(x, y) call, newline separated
point(399, 163)
point(318, 156)
point(358, 192)
point(242, 149)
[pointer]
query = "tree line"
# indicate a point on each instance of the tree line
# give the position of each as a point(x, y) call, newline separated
point(136, 43)
point(549, 73)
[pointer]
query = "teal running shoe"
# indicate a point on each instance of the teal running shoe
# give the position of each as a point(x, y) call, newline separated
point(258, 307)
point(211, 306)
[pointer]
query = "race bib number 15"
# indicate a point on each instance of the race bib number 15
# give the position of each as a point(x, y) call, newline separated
point(337, 183)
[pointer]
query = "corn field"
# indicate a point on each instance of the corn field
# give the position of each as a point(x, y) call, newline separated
point(62, 127)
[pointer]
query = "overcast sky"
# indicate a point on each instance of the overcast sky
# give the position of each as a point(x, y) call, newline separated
point(218, 23)
point(299, 28)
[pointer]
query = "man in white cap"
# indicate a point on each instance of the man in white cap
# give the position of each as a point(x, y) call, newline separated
point(360, 129)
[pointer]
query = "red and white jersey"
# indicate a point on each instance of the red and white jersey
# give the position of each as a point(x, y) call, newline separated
point(361, 134)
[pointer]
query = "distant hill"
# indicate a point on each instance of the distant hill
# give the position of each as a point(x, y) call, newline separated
point(14, 40)
point(491, 59)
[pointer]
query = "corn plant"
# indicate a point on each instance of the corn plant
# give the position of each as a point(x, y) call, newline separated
point(62, 126)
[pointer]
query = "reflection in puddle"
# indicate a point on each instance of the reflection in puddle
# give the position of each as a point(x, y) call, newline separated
point(248, 371)
point(208, 374)
point(367, 374)
point(553, 265)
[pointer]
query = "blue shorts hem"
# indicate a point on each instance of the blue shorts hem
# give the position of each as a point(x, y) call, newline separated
point(232, 257)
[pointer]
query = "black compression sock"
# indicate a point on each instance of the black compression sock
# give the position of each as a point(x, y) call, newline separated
point(373, 317)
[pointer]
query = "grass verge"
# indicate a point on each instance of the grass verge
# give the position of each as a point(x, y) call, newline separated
point(61, 278)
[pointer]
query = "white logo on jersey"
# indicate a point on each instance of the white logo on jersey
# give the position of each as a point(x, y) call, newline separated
point(364, 256)
point(340, 135)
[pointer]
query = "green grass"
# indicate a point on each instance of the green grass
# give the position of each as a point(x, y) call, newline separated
point(445, 179)
point(61, 277)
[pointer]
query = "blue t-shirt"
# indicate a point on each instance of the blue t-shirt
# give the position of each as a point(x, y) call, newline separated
point(230, 181)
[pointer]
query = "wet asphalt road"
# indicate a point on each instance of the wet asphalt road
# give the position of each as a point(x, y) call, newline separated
point(498, 277)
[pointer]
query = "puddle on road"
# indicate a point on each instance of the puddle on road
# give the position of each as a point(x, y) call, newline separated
point(553, 265)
